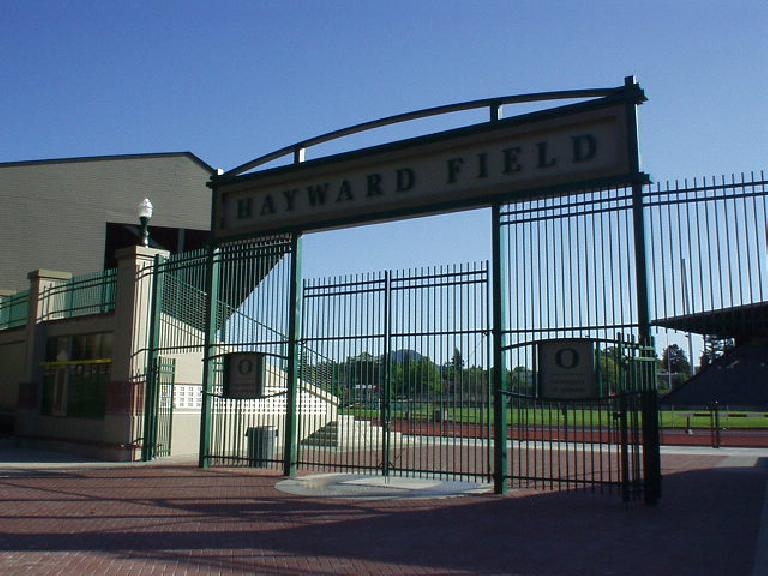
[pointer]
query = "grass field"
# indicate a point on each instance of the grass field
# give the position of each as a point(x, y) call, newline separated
point(553, 417)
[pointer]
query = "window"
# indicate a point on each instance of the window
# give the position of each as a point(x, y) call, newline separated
point(77, 370)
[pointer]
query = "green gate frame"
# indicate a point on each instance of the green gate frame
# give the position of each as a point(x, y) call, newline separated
point(176, 292)
point(629, 93)
point(632, 403)
point(159, 407)
point(398, 310)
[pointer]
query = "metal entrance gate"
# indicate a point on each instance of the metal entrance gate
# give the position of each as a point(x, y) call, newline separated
point(569, 269)
point(176, 319)
point(251, 288)
point(158, 425)
point(605, 443)
point(392, 371)
point(403, 357)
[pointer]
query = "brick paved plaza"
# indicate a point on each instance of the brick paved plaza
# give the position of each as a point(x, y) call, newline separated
point(69, 518)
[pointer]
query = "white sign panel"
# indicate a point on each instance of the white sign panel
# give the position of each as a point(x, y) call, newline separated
point(244, 374)
point(567, 370)
point(459, 168)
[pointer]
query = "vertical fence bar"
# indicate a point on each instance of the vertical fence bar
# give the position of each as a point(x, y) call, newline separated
point(499, 384)
point(641, 264)
point(386, 411)
point(294, 355)
point(638, 217)
point(651, 454)
point(714, 424)
point(212, 266)
point(624, 446)
point(151, 376)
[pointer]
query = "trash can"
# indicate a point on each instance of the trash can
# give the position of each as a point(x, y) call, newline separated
point(261, 445)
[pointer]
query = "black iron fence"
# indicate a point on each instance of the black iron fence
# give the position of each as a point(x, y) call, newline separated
point(709, 283)
point(403, 357)
point(707, 244)
point(252, 285)
point(394, 367)
point(605, 444)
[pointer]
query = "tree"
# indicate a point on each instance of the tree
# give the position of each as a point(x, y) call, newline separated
point(451, 367)
point(611, 374)
point(674, 368)
point(362, 371)
point(457, 365)
point(327, 374)
point(414, 378)
point(457, 360)
point(520, 380)
point(674, 360)
point(475, 382)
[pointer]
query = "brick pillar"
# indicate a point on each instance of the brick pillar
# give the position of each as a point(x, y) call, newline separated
point(124, 401)
point(31, 387)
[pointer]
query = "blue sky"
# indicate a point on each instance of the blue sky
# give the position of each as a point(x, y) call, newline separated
point(230, 81)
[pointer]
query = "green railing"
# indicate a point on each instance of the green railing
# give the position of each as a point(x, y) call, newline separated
point(82, 295)
point(14, 310)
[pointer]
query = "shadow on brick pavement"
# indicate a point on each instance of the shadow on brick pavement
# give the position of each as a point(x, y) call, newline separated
point(177, 519)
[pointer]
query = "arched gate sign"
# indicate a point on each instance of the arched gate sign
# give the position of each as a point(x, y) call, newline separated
point(255, 293)
point(554, 151)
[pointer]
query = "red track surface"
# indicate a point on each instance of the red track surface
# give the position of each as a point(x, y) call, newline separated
point(738, 437)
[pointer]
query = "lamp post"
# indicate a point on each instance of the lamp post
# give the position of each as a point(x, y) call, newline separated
point(145, 213)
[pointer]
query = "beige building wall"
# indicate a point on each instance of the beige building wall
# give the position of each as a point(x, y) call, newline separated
point(85, 433)
point(118, 435)
point(54, 212)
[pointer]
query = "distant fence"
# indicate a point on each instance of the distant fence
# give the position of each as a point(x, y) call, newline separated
point(714, 425)
point(14, 310)
point(80, 296)
point(707, 244)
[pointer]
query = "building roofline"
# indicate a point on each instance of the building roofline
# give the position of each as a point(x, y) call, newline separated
point(189, 155)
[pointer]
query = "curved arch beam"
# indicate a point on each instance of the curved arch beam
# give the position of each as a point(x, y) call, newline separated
point(493, 103)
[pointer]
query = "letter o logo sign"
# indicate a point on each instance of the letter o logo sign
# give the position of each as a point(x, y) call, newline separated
point(567, 358)
point(244, 367)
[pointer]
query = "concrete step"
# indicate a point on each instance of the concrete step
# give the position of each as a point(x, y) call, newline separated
point(346, 432)
point(325, 436)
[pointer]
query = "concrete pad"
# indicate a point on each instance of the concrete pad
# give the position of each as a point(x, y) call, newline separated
point(738, 462)
point(361, 487)
point(395, 482)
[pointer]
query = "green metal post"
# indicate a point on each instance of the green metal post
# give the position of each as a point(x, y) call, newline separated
point(105, 277)
point(651, 452)
point(294, 338)
point(638, 217)
point(212, 266)
point(499, 375)
point(70, 299)
point(386, 404)
point(151, 369)
point(624, 447)
point(641, 265)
